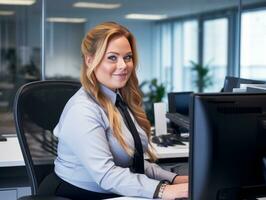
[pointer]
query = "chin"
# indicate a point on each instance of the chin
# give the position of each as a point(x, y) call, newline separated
point(120, 85)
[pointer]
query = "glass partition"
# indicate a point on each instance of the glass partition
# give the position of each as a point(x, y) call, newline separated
point(20, 55)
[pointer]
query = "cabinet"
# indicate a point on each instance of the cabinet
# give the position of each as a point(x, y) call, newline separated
point(13, 183)
point(14, 193)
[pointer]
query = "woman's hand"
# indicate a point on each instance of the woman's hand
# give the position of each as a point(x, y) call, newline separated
point(180, 179)
point(175, 191)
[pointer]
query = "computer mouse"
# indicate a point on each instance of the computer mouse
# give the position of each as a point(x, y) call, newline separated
point(159, 141)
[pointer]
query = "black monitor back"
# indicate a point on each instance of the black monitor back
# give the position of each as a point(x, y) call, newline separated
point(178, 102)
point(231, 82)
point(227, 144)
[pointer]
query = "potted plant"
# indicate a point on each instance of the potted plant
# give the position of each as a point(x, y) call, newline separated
point(155, 93)
point(204, 79)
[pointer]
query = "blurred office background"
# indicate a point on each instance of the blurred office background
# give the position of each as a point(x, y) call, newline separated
point(40, 39)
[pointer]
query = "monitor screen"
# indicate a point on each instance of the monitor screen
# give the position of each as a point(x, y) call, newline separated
point(178, 102)
point(231, 82)
point(227, 145)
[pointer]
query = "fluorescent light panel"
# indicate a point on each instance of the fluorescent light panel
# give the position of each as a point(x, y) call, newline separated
point(96, 5)
point(6, 12)
point(17, 2)
point(65, 20)
point(145, 16)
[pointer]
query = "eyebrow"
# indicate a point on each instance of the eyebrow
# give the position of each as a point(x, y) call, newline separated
point(130, 52)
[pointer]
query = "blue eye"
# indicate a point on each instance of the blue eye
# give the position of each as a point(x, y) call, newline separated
point(112, 58)
point(128, 58)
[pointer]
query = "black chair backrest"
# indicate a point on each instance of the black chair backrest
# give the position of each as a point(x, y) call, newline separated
point(37, 109)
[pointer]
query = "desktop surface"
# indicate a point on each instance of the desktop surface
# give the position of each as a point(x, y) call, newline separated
point(11, 153)
point(174, 150)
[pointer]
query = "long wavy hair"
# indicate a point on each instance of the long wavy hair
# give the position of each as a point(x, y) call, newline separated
point(94, 45)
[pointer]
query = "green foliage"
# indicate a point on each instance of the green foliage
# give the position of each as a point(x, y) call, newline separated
point(155, 93)
point(204, 80)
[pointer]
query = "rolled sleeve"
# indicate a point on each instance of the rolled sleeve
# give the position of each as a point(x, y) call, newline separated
point(156, 172)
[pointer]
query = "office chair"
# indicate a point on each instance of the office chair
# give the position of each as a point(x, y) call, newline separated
point(37, 109)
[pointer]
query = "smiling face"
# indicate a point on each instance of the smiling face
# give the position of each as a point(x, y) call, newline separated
point(117, 64)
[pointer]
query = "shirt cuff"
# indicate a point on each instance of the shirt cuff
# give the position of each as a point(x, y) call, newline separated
point(174, 179)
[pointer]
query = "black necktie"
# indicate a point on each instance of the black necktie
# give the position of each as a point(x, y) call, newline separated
point(138, 160)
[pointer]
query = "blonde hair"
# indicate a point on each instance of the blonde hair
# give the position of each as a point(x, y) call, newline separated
point(94, 45)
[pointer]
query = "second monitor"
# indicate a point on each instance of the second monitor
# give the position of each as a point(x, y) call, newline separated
point(178, 112)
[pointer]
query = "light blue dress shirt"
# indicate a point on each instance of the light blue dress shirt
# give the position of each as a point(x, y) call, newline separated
point(90, 157)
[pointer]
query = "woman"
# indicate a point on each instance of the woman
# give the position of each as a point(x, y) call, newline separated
point(98, 152)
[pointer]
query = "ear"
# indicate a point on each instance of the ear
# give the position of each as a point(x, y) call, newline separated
point(88, 60)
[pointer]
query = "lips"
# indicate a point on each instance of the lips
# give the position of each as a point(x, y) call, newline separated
point(122, 74)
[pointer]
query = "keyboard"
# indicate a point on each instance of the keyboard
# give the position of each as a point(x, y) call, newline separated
point(179, 119)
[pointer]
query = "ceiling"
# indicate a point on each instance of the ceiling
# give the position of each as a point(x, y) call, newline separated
point(171, 8)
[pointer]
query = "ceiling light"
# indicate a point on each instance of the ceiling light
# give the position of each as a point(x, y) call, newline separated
point(145, 16)
point(96, 5)
point(65, 20)
point(17, 2)
point(6, 13)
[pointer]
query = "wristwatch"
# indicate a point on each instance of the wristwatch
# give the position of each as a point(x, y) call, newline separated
point(160, 188)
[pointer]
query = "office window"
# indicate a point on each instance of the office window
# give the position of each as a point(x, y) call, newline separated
point(215, 50)
point(185, 50)
point(20, 49)
point(253, 45)
point(166, 54)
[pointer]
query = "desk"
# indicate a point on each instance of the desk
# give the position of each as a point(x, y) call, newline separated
point(14, 181)
point(14, 178)
point(11, 154)
point(177, 151)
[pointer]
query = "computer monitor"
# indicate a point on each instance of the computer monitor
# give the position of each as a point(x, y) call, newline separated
point(227, 146)
point(178, 102)
point(231, 82)
point(178, 111)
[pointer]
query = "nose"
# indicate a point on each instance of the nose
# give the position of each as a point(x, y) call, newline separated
point(121, 63)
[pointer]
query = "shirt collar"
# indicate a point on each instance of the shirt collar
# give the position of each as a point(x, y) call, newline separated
point(109, 93)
